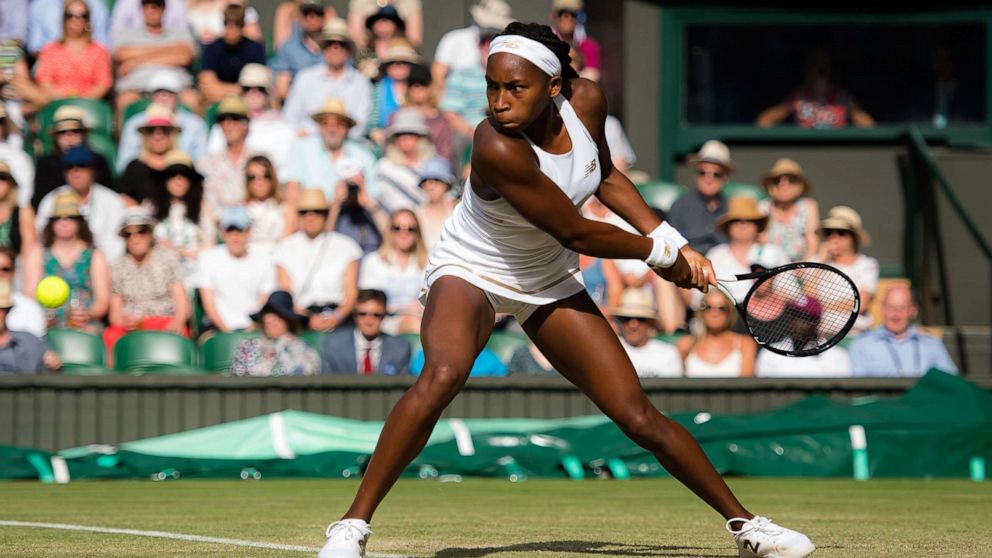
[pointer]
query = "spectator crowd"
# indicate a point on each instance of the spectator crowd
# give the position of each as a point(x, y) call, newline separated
point(185, 172)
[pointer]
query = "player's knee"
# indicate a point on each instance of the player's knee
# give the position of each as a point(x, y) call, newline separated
point(441, 381)
point(640, 424)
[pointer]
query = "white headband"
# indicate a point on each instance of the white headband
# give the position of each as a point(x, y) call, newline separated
point(528, 49)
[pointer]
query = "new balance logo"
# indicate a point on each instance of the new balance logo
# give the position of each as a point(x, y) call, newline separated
point(751, 545)
point(590, 166)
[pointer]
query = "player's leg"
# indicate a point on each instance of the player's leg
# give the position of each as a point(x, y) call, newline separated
point(457, 322)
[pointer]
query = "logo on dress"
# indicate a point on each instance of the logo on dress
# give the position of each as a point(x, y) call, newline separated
point(590, 167)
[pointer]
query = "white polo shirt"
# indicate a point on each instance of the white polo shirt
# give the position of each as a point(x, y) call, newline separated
point(316, 266)
point(655, 359)
point(239, 285)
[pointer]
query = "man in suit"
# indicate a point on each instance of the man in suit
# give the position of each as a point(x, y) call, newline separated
point(364, 349)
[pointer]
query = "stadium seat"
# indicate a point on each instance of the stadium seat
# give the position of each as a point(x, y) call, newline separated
point(313, 338)
point(134, 108)
point(414, 340)
point(80, 352)
point(217, 352)
point(503, 343)
point(673, 338)
point(210, 115)
point(732, 189)
point(661, 194)
point(155, 352)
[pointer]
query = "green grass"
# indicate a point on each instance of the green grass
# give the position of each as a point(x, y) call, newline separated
point(481, 518)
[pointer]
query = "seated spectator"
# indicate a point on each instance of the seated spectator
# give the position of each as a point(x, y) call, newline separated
point(420, 96)
point(356, 214)
point(300, 48)
point(101, 206)
point(398, 270)
point(621, 152)
point(147, 291)
point(69, 129)
point(464, 103)
point(148, 48)
point(67, 251)
point(897, 347)
point(741, 225)
point(793, 215)
point(27, 315)
point(17, 231)
point(233, 282)
point(842, 239)
point(158, 132)
point(487, 364)
point(603, 281)
point(320, 267)
point(163, 89)
point(385, 27)
point(369, 19)
point(638, 323)
point(184, 224)
point(805, 319)
point(334, 78)
point(278, 352)
point(318, 160)
point(21, 352)
point(458, 49)
point(269, 133)
point(695, 214)
point(128, 14)
point(12, 153)
point(271, 218)
point(436, 181)
point(75, 65)
point(530, 361)
point(46, 23)
point(635, 274)
point(565, 24)
point(224, 58)
point(390, 90)
point(397, 174)
point(206, 20)
point(365, 349)
point(224, 170)
point(717, 351)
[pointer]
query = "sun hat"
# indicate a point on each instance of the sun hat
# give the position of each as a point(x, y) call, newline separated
point(312, 199)
point(232, 106)
point(280, 303)
point(742, 208)
point(78, 156)
point(6, 300)
point(336, 30)
point(401, 51)
point(636, 303)
point(5, 169)
point(715, 152)
point(407, 121)
point(8, 124)
point(164, 81)
point(137, 216)
point(492, 14)
point(158, 115)
point(69, 117)
point(783, 167)
point(437, 168)
point(235, 217)
point(178, 161)
point(333, 107)
point(574, 6)
point(255, 75)
point(65, 204)
point(845, 218)
point(386, 12)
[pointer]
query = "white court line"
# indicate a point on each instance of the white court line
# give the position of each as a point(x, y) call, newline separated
point(178, 536)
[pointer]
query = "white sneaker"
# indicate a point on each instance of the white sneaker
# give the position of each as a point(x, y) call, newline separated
point(758, 537)
point(346, 539)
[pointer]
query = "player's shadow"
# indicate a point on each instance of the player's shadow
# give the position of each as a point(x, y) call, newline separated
point(592, 548)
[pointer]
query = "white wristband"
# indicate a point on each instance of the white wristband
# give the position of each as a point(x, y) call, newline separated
point(663, 254)
point(665, 230)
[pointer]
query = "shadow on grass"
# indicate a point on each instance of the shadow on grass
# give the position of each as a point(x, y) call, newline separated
point(592, 548)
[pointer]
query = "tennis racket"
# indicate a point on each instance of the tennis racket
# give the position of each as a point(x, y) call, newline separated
point(800, 309)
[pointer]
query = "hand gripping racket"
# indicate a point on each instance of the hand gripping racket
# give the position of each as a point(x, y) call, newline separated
point(799, 309)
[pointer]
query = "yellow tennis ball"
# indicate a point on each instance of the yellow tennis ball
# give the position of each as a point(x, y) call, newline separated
point(52, 291)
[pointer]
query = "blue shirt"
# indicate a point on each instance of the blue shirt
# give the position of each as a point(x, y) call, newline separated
point(879, 353)
point(486, 364)
point(311, 164)
point(14, 20)
point(226, 61)
point(23, 354)
point(313, 86)
point(294, 55)
point(45, 22)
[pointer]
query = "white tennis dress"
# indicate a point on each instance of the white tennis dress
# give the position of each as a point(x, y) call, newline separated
point(490, 245)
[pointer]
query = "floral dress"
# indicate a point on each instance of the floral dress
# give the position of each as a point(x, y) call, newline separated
point(285, 356)
point(789, 236)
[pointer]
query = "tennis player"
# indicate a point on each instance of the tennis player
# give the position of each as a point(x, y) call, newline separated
point(512, 247)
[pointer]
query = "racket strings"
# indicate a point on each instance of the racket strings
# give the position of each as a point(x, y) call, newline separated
point(801, 310)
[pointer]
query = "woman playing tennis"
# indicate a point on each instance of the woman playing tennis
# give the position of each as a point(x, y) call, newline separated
point(512, 247)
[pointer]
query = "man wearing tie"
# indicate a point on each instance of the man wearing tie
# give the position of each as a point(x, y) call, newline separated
point(364, 349)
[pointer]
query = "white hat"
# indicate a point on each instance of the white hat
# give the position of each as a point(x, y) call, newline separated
point(164, 81)
point(492, 14)
point(408, 121)
point(715, 152)
point(255, 75)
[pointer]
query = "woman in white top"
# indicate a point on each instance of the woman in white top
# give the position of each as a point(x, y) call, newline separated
point(717, 352)
point(511, 247)
point(271, 219)
point(843, 237)
point(397, 269)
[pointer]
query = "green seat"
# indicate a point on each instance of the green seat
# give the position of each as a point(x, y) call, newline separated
point(313, 338)
point(210, 115)
point(414, 340)
point(661, 194)
point(99, 118)
point(217, 352)
point(504, 343)
point(155, 352)
point(732, 189)
point(106, 147)
point(79, 351)
point(673, 338)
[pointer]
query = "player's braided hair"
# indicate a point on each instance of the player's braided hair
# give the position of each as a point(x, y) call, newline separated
point(544, 35)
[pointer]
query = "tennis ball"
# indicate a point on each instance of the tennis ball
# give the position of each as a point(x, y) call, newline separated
point(52, 291)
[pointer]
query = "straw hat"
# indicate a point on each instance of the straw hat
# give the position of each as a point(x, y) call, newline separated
point(232, 106)
point(6, 298)
point(178, 161)
point(69, 117)
point(5, 169)
point(636, 303)
point(401, 51)
point(65, 204)
point(159, 115)
point(574, 6)
point(336, 30)
point(8, 125)
point(333, 107)
point(408, 121)
point(715, 152)
point(137, 216)
point(255, 75)
point(845, 218)
point(783, 167)
point(312, 199)
point(742, 208)
point(492, 14)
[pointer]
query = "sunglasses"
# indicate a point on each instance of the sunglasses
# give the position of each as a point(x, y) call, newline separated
point(164, 130)
point(836, 232)
point(718, 307)
point(225, 117)
point(235, 229)
point(6, 177)
point(310, 12)
point(342, 44)
point(72, 131)
point(6, 269)
point(254, 177)
point(321, 212)
point(69, 218)
point(69, 15)
point(626, 319)
point(790, 178)
point(76, 167)
point(139, 232)
point(376, 315)
point(714, 174)
point(398, 228)
point(254, 88)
